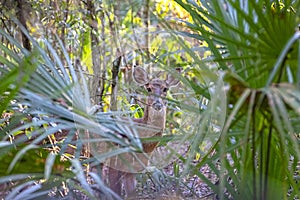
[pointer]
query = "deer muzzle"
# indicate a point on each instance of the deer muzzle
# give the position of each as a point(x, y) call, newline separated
point(157, 105)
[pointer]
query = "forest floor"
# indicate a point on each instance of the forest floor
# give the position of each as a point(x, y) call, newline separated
point(188, 188)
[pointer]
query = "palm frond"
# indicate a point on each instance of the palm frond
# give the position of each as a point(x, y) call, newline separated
point(55, 101)
point(256, 44)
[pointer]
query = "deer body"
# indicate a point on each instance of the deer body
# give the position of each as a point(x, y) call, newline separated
point(154, 117)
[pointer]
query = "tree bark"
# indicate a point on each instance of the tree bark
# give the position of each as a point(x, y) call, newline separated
point(117, 62)
point(96, 82)
point(146, 17)
point(103, 51)
point(114, 85)
point(21, 15)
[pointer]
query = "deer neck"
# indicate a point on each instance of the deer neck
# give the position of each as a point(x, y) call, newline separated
point(155, 118)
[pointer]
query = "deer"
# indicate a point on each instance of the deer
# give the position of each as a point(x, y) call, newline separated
point(154, 118)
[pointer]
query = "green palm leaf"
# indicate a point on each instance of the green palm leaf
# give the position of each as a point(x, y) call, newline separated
point(256, 44)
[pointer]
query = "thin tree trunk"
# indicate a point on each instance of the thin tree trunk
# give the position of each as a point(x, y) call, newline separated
point(103, 51)
point(114, 85)
point(96, 82)
point(21, 15)
point(117, 63)
point(63, 30)
point(146, 17)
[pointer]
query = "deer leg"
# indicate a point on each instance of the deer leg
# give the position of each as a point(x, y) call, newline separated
point(115, 180)
point(129, 181)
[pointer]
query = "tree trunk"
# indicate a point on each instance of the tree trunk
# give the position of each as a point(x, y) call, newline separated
point(21, 15)
point(96, 82)
point(117, 62)
point(103, 51)
point(146, 17)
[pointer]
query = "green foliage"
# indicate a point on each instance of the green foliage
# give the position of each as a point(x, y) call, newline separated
point(15, 77)
point(53, 102)
point(258, 50)
point(245, 131)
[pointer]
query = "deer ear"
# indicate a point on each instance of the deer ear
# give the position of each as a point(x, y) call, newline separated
point(171, 81)
point(140, 76)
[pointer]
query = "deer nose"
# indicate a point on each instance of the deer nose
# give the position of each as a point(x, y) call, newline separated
point(157, 106)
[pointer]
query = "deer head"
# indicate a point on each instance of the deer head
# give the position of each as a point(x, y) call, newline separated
point(156, 87)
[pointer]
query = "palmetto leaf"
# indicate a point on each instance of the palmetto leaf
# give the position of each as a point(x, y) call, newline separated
point(57, 100)
point(13, 77)
point(243, 35)
point(290, 94)
point(257, 47)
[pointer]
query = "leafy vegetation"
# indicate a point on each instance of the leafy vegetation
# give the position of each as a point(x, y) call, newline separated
point(65, 79)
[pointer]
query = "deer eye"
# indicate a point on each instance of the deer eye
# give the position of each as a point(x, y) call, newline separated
point(165, 90)
point(148, 89)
